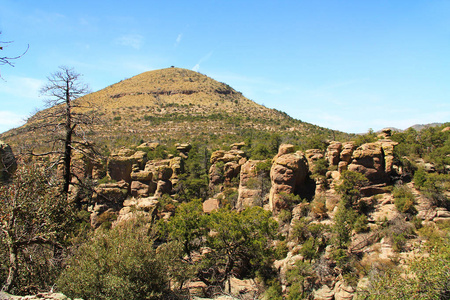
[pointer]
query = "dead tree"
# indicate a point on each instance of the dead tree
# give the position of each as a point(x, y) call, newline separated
point(66, 121)
point(8, 60)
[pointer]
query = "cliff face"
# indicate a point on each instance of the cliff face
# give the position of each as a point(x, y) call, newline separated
point(134, 176)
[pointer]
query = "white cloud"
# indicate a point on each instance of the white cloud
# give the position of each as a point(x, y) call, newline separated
point(178, 40)
point(131, 40)
point(202, 60)
point(23, 87)
point(10, 120)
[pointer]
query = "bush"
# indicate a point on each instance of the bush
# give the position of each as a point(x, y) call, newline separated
point(428, 277)
point(301, 279)
point(404, 200)
point(350, 186)
point(120, 263)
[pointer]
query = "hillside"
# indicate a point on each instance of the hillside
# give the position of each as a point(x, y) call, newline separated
point(176, 105)
point(361, 219)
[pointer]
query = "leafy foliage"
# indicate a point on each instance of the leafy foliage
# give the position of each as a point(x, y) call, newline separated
point(349, 188)
point(237, 241)
point(188, 226)
point(121, 263)
point(428, 277)
point(404, 200)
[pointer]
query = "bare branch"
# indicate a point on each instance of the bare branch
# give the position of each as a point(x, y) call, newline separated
point(6, 60)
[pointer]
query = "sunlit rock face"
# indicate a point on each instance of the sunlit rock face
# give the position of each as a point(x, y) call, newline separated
point(288, 175)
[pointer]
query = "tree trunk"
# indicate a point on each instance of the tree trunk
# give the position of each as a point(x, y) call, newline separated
point(12, 267)
point(67, 143)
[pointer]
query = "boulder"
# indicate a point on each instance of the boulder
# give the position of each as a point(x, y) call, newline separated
point(183, 147)
point(111, 194)
point(388, 150)
point(230, 170)
point(101, 215)
point(216, 155)
point(215, 176)
point(244, 288)
point(225, 166)
point(237, 146)
point(333, 153)
point(177, 166)
point(286, 149)
point(324, 293)
point(211, 205)
point(142, 188)
point(147, 204)
point(288, 175)
point(163, 173)
point(368, 159)
point(8, 163)
point(343, 291)
point(148, 145)
point(385, 133)
point(347, 151)
point(312, 155)
point(120, 164)
point(143, 175)
point(342, 166)
point(163, 187)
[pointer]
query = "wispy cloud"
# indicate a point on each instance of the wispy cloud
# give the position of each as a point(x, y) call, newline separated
point(23, 87)
point(131, 40)
point(178, 40)
point(10, 120)
point(202, 60)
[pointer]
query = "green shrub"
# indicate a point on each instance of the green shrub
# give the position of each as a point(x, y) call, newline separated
point(301, 280)
point(404, 200)
point(274, 292)
point(120, 263)
point(361, 224)
point(285, 216)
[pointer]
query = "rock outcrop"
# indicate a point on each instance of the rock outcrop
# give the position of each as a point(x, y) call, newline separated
point(8, 163)
point(368, 159)
point(313, 155)
point(251, 185)
point(288, 175)
point(333, 153)
point(120, 164)
point(108, 200)
point(225, 168)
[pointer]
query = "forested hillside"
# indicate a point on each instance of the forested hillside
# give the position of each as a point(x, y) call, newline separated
point(170, 185)
point(366, 219)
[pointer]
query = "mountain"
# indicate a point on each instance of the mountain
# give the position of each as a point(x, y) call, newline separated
point(176, 105)
point(419, 127)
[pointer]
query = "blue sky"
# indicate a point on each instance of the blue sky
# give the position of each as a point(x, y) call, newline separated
point(345, 65)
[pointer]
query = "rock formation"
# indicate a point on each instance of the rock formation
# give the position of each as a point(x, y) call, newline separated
point(312, 155)
point(225, 167)
point(288, 175)
point(8, 162)
point(368, 159)
point(120, 164)
point(333, 153)
point(251, 189)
